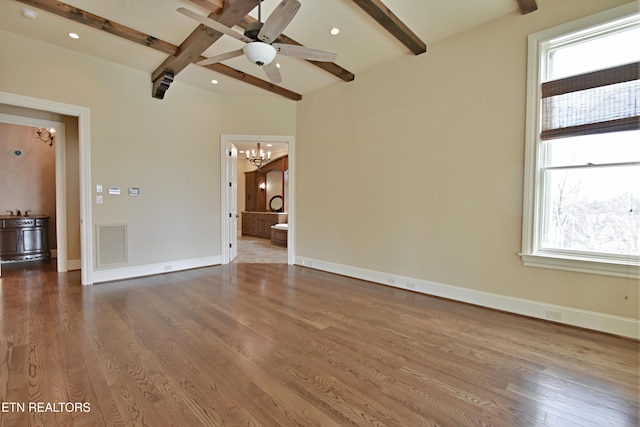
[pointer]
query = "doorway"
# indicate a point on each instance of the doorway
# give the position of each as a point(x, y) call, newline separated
point(34, 180)
point(230, 233)
point(31, 110)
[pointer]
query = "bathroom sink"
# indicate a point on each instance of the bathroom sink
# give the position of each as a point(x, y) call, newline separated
point(30, 216)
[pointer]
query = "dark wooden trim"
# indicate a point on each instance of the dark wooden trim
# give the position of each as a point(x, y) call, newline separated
point(527, 6)
point(378, 11)
point(618, 125)
point(609, 76)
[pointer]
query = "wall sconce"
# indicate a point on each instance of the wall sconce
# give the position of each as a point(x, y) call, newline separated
point(46, 135)
point(262, 186)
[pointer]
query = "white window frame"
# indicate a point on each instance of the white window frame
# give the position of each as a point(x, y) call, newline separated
point(532, 254)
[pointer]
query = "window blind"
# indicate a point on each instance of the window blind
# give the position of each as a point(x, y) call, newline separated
point(596, 102)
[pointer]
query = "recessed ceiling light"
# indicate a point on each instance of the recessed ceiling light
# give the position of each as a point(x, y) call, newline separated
point(277, 65)
point(335, 31)
point(269, 145)
point(28, 13)
point(214, 81)
point(74, 36)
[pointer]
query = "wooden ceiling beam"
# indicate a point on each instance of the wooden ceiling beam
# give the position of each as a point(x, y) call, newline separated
point(330, 67)
point(381, 13)
point(527, 6)
point(197, 42)
point(164, 81)
point(252, 80)
point(95, 21)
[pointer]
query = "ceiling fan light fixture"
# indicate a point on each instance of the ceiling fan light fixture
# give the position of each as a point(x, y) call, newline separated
point(259, 53)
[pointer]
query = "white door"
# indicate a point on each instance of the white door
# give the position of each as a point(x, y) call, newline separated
point(232, 178)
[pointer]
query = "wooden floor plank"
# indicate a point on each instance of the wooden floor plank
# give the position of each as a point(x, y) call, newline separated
point(277, 345)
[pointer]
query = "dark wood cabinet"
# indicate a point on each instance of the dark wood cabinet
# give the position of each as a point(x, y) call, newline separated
point(24, 238)
point(258, 224)
point(258, 217)
point(255, 199)
point(252, 191)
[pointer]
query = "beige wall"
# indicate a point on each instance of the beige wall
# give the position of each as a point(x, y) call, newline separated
point(250, 115)
point(27, 181)
point(169, 148)
point(422, 169)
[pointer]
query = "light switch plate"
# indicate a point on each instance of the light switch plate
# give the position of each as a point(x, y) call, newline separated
point(99, 188)
point(99, 200)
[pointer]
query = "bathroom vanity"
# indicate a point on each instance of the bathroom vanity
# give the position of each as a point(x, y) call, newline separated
point(258, 224)
point(24, 238)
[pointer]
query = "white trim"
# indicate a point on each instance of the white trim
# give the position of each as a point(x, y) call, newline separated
point(108, 275)
point(602, 322)
point(540, 259)
point(531, 254)
point(84, 144)
point(225, 145)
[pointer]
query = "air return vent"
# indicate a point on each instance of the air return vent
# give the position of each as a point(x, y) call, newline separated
point(112, 244)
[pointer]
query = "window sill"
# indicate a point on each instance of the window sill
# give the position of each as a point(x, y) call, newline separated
point(583, 265)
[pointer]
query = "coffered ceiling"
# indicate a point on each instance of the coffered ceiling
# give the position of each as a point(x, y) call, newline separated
point(150, 35)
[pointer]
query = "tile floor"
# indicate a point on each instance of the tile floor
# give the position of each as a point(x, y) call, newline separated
point(255, 250)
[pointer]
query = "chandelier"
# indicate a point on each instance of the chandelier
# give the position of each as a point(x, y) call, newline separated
point(257, 157)
point(46, 135)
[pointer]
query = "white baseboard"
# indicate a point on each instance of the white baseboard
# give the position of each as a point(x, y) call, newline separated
point(129, 272)
point(616, 325)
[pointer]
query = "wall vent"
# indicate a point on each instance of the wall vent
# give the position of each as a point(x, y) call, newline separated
point(112, 244)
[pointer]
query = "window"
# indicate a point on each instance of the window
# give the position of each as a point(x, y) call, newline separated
point(582, 159)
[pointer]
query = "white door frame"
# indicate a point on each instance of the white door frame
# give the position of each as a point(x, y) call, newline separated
point(225, 145)
point(82, 113)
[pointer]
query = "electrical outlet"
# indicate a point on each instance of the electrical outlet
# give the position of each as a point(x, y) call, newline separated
point(554, 315)
point(392, 281)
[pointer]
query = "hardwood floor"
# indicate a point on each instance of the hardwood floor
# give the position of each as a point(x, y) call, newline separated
point(278, 345)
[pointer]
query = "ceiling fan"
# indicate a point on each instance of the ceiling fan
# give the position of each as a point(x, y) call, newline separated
point(259, 38)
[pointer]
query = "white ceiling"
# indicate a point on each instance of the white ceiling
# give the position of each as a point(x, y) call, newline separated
point(361, 45)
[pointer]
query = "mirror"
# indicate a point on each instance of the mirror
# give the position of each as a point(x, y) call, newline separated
point(273, 179)
point(275, 204)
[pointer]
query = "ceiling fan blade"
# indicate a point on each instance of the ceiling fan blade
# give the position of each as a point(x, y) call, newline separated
point(303, 52)
point(278, 20)
point(215, 25)
point(272, 72)
point(221, 57)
